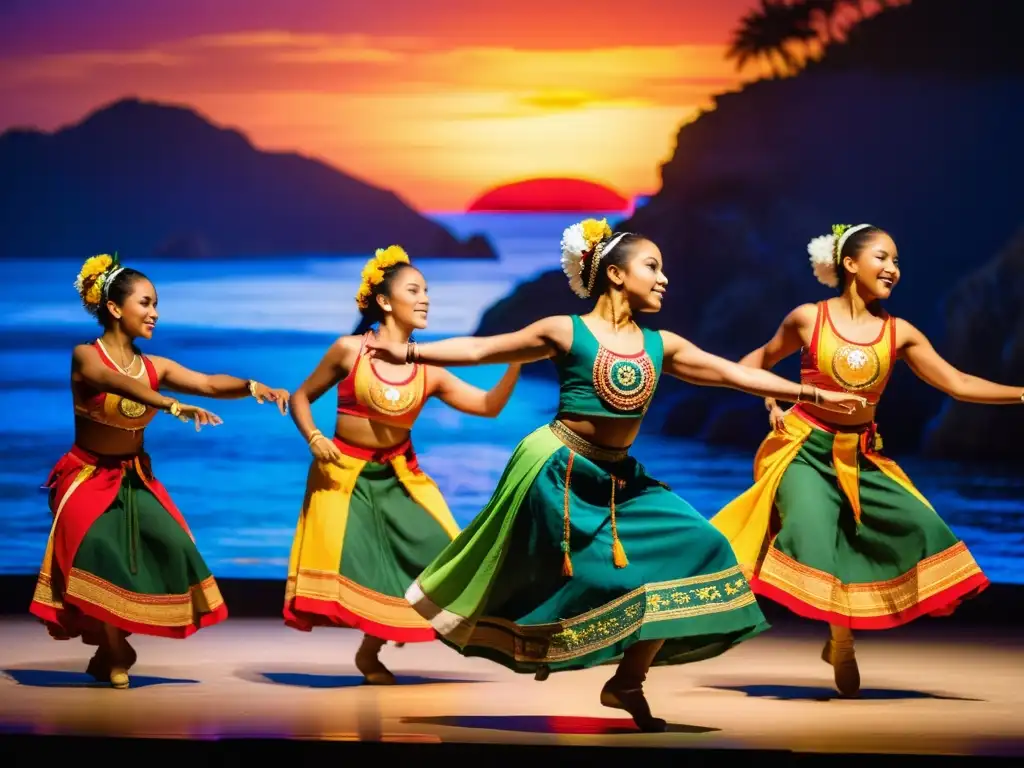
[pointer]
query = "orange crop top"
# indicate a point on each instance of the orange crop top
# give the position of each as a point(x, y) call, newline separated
point(365, 394)
point(113, 410)
point(834, 363)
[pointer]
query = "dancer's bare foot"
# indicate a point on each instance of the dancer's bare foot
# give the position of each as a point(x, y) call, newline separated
point(369, 664)
point(840, 655)
point(633, 701)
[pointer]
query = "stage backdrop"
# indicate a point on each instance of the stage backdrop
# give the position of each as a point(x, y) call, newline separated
point(249, 164)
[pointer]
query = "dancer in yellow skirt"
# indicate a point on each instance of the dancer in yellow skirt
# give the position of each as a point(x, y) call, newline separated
point(120, 558)
point(372, 519)
point(832, 528)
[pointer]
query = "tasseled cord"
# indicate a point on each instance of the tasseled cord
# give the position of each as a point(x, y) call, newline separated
point(566, 560)
point(618, 551)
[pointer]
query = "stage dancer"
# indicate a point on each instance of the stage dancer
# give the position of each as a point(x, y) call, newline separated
point(580, 557)
point(371, 518)
point(120, 558)
point(832, 528)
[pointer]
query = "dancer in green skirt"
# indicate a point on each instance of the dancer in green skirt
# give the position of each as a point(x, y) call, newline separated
point(120, 558)
point(581, 557)
point(371, 518)
point(832, 528)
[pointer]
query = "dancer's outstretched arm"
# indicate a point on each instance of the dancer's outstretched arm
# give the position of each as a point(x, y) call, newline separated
point(453, 391)
point(538, 341)
point(220, 386)
point(87, 367)
point(688, 362)
point(932, 369)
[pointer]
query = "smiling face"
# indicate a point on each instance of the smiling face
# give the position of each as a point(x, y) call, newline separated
point(137, 313)
point(875, 267)
point(406, 302)
point(641, 277)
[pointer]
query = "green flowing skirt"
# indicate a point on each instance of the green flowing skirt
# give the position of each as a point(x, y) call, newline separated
point(883, 564)
point(502, 589)
point(366, 530)
point(136, 568)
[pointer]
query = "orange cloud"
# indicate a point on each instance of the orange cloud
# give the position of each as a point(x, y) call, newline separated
point(436, 125)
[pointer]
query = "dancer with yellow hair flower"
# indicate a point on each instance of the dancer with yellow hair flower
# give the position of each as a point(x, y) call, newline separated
point(580, 557)
point(372, 519)
point(120, 558)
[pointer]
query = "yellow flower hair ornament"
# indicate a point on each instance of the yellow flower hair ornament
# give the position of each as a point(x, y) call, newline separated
point(373, 272)
point(95, 273)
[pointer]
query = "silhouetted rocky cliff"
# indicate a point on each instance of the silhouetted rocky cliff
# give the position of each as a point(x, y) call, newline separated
point(156, 180)
point(931, 153)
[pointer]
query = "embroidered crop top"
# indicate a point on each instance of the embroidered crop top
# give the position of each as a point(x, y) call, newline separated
point(366, 394)
point(595, 381)
point(113, 410)
point(834, 363)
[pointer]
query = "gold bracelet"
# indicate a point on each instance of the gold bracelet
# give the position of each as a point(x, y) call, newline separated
point(174, 409)
point(252, 387)
point(315, 435)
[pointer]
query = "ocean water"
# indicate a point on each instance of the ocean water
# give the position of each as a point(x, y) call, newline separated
point(240, 484)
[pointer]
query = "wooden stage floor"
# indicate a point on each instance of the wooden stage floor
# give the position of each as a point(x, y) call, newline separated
point(929, 689)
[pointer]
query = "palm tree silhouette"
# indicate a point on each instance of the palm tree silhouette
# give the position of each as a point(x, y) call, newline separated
point(768, 32)
point(824, 12)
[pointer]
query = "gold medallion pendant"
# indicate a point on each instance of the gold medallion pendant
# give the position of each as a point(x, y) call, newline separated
point(130, 409)
point(390, 399)
point(856, 367)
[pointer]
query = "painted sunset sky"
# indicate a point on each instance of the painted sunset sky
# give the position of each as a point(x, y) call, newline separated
point(438, 100)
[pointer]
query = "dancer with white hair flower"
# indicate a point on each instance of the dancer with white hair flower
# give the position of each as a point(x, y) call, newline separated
point(832, 528)
point(580, 557)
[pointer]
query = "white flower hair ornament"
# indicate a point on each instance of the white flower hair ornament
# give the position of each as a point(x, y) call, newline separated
point(824, 252)
point(579, 242)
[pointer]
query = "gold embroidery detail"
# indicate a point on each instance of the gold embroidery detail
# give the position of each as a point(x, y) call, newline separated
point(825, 592)
point(393, 399)
point(328, 587)
point(588, 450)
point(665, 601)
point(856, 367)
point(131, 409)
point(152, 610)
point(623, 383)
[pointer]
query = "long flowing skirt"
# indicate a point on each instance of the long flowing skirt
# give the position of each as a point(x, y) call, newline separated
point(368, 527)
point(578, 555)
point(120, 553)
point(834, 530)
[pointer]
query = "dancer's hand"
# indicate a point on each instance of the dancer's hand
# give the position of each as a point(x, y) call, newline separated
point(840, 402)
point(388, 351)
point(324, 449)
point(776, 416)
point(199, 416)
point(263, 394)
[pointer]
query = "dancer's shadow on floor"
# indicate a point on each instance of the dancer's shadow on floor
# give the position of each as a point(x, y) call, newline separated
point(73, 678)
point(823, 693)
point(553, 724)
point(302, 677)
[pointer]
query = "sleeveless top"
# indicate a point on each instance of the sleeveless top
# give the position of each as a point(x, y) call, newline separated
point(595, 381)
point(113, 410)
point(834, 363)
point(366, 394)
